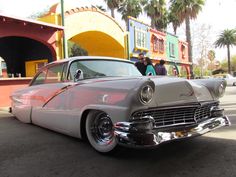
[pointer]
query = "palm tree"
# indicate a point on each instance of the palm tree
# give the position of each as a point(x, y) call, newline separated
point(131, 8)
point(112, 5)
point(172, 18)
point(227, 38)
point(156, 10)
point(186, 10)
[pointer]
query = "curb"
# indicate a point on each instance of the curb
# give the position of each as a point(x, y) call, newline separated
point(4, 112)
point(4, 109)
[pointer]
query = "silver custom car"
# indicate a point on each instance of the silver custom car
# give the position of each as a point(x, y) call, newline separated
point(107, 101)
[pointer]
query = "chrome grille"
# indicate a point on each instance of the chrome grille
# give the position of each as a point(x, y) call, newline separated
point(170, 116)
point(203, 112)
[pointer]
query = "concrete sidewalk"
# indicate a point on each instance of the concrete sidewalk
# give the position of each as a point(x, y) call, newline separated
point(4, 112)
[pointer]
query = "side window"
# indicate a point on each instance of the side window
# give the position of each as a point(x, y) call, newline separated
point(73, 68)
point(64, 72)
point(40, 78)
point(54, 74)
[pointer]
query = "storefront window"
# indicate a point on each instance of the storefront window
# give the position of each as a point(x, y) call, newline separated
point(172, 49)
point(140, 38)
point(183, 50)
point(161, 45)
point(158, 45)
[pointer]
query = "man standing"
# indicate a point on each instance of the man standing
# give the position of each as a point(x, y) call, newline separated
point(140, 64)
point(160, 68)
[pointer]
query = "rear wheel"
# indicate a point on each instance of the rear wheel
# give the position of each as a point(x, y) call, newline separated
point(100, 131)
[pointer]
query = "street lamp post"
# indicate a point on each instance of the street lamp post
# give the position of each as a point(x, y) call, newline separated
point(65, 53)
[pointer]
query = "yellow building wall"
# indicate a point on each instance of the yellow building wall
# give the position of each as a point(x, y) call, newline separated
point(93, 30)
point(55, 19)
point(51, 18)
point(59, 45)
point(96, 33)
point(31, 67)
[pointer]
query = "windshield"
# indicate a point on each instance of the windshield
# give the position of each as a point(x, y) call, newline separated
point(102, 68)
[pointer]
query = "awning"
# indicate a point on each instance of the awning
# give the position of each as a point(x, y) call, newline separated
point(158, 37)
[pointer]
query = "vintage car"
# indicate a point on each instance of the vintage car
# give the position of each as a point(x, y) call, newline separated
point(230, 80)
point(107, 101)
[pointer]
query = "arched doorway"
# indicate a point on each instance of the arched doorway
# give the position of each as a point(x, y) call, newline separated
point(98, 43)
point(92, 29)
point(18, 51)
point(184, 72)
point(172, 70)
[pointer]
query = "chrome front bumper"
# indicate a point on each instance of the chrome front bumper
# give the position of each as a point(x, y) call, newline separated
point(142, 133)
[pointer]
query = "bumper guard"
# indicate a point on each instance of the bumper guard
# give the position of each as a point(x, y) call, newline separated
point(142, 133)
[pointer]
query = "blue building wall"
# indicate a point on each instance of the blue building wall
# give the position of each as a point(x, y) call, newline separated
point(138, 35)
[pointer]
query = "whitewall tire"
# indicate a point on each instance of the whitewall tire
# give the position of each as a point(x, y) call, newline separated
point(100, 131)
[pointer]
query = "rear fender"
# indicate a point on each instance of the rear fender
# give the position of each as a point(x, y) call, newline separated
point(23, 113)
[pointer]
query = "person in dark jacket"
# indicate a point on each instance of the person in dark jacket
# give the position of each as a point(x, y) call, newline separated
point(160, 68)
point(140, 64)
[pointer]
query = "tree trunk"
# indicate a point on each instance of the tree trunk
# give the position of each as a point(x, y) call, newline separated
point(228, 53)
point(113, 13)
point(153, 23)
point(127, 24)
point(175, 30)
point(188, 38)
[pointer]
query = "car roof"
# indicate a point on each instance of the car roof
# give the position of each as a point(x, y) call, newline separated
point(88, 58)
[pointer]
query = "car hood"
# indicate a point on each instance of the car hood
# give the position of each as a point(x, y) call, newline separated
point(175, 91)
point(168, 90)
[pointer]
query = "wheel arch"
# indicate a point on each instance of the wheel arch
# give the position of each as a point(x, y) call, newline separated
point(83, 122)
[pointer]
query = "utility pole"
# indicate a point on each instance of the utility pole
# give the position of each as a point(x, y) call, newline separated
point(65, 53)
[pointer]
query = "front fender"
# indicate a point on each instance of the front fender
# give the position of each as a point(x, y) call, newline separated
point(116, 113)
point(212, 85)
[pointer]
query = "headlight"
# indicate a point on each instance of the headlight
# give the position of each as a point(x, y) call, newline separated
point(221, 90)
point(146, 94)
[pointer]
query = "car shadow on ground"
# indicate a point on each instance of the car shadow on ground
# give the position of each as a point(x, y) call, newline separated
point(28, 150)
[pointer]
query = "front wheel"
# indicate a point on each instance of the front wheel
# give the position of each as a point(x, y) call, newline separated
point(100, 131)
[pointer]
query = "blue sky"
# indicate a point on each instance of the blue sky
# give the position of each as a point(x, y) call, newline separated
point(218, 14)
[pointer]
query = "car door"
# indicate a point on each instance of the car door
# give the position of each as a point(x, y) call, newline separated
point(53, 84)
point(48, 82)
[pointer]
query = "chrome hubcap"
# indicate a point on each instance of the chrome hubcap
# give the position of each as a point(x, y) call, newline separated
point(102, 129)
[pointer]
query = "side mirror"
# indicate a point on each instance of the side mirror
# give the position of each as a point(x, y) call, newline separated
point(78, 75)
